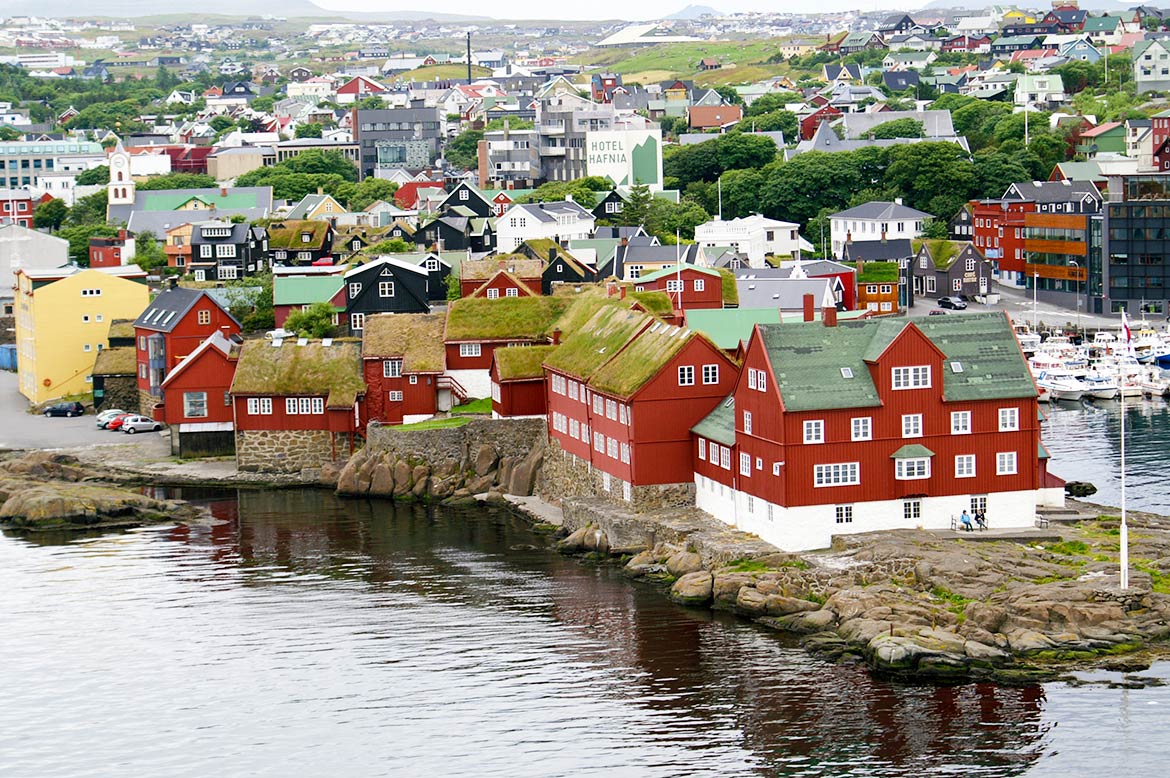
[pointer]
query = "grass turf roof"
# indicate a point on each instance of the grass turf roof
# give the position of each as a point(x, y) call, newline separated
point(510, 317)
point(876, 272)
point(287, 234)
point(597, 341)
point(943, 252)
point(313, 369)
point(730, 288)
point(122, 328)
point(641, 360)
point(416, 337)
point(518, 264)
point(657, 303)
point(121, 360)
point(522, 362)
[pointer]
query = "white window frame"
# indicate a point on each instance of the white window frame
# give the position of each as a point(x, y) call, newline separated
point(703, 449)
point(1006, 463)
point(911, 509)
point(470, 350)
point(964, 465)
point(745, 464)
point(357, 321)
point(395, 396)
point(686, 375)
point(710, 374)
point(392, 368)
point(1009, 419)
point(912, 425)
point(960, 422)
point(747, 422)
point(843, 514)
point(385, 288)
point(837, 474)
point(699, 285)
point(191, 401)
point(910, 377)
point(912, 469)
point(862, 428)
point(814, 431)
point(355, 288)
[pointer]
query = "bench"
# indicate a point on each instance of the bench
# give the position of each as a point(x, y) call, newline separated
point(957, 524)
point(1041, 522)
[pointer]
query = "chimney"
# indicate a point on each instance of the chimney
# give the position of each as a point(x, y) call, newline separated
point(848, 236)
point(883, 236)
point(552, 253)
point(556, 337)
point(829, 316)
point(897, 201)
point(172, 282)
point(320, 190)
point(625, 242)
point(622, 292)
point(810, 307)
point(860, 267)
point(611, 289)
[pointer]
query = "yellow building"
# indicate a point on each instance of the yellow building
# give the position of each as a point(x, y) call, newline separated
point(63, 318)
point(1016, 16)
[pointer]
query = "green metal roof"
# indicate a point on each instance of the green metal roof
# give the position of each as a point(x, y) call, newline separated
point(807, 359)
point(304, 290)
point(1042, 452)
point(719, 424)
point(912, 451)
point(728, 326)
point(666, 272)
point(170, 200)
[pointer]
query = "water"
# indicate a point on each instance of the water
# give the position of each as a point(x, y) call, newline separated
point(1084, 440)
point(307, 636)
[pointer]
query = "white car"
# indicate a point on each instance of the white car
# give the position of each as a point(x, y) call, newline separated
point(133, 424)
point(104, 417)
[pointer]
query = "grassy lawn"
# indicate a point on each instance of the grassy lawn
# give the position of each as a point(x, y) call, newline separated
point(743, 61)
point(473, 408)
point(435, 424)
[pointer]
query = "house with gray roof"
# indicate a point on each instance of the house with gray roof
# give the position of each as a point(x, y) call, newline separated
point(876, 220)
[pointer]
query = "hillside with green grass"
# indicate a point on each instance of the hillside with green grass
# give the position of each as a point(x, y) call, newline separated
point(742, 61)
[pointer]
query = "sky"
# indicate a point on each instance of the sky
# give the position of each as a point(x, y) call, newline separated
point(600, 9)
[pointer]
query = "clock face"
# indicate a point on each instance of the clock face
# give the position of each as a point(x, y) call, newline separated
point(118, 162)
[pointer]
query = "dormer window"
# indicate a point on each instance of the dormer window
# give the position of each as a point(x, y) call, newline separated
point(306, 237)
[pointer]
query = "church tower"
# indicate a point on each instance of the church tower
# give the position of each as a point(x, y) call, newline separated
point(120, 190)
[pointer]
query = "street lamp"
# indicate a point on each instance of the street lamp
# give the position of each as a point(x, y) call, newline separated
point(1077, 265)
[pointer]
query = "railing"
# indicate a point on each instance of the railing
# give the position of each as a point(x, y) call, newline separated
point(457, 390)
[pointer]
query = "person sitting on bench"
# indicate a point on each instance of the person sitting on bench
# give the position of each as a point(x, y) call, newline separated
point(981, 519)
point(965, 522)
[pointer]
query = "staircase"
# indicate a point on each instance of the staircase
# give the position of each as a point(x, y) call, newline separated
point(456, 388)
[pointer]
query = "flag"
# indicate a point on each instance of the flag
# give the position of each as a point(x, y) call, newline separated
point(1125, 330)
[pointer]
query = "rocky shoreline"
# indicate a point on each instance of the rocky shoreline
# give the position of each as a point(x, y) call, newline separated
point(913, 604)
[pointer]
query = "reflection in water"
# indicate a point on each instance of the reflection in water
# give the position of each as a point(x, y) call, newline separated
point(362, 638)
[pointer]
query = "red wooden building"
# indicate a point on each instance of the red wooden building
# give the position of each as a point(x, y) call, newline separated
point(297, 404)
point(874, 425)
point(509, 272)
point(477, 327)
point(199, 415)
point(172, 327)
point(687, 287)
point(403, 363)
point(998, 232)
point(624, 390)
point(518, 385)
point(108, 251)
point(16, 207)
point(809, 124)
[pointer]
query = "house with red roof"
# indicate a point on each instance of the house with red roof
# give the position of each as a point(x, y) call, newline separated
point(357, 88)
point(200, 417)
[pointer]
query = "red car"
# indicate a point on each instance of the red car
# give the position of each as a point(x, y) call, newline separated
point(116, 422)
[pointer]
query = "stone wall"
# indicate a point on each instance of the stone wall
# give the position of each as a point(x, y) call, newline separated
point(495, 456)
point(7, 329)
point(121, 391)
point(145, 401)
point(287, 451)
point(566, 476)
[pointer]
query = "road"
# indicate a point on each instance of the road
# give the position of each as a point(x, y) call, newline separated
point(1018, 305)
point(20, 429)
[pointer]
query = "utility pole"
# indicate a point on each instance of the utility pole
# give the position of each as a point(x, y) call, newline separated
point(469, 59)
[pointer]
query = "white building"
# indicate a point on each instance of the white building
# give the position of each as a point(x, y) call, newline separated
point(874, 221)
point(27, 249)
point(756, 236)
point(561, 220)
point(316, 88)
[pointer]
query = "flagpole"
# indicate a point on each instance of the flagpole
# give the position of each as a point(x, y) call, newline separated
point(678, 265)
point(1124, 537)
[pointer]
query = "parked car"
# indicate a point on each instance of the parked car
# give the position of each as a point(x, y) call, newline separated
point(116, 422)
point(952, 302)
point(106, 416)
point(937, 312)
point(135, 423)
point(65, 409)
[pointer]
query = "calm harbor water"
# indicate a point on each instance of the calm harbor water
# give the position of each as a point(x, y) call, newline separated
point(306, 636)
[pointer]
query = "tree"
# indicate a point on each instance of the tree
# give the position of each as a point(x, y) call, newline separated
point(765, 104)
point(165, 80)
point(8, 133)
point(666, 219)
point(729, 95)
point(370, 103)
point(50, 214)
point(148, 253)
point(799, 189)
point(94, 176)
point(637, 206)
point(996, 171)
point(392, 246)
point(774, 121)
point(357, 196)
point(934, 177)
point(264, 104)
point(454, 290)
point(78, 237)
point(582, 190)
point(250, 302)
point(178, 181)
point(463, 150)
point(90, 209)
point(308, 130)
point(898, 128)
point(741, 193)
point(292, 186)
point(320, 162)
point(314, 322)
point(221, 123)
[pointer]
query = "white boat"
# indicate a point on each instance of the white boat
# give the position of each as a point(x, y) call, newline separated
point(1029, 341)
point(1100, 387)
point(1061, 385)
point(1154, 384)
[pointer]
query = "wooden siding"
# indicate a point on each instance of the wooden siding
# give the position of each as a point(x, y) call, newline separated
point(185, 337)
point(212, 372)
point(419, 398)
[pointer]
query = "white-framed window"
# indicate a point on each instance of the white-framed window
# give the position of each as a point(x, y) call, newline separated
point(747, 422)
point(493, 294)
point(844, 514)
point(964, 466)
point(725, 457)
point(710, 374)
point(463, 194)
point(912, 468)
point(385, 288)
point(699, 285)
point(355, 289)
point(960, 422)
point(227, 272)
point(611, 410)
point(862, 428)
point(625, 453)
point(205, 251)
point(573, 390)
point(598, 442)
point(751, 378)
point(674, 285)
point(745, 464)
point(911, 510)
point(761, 381)
point(511, 291)
point(840, 474)
point(916, 377)
point(317, 405)
point(558, 384)
point(686, 375)
point(357, 321)
point(225, 250)
point(1009, 419)
point(195, 405)
point(1005, 463)
point(392, 368)
point(469, 350)
point(87, 347)
point(887, 288)
point(574, 428)
point(703, 449)
point(956, 284)
point(204, 317)
point(814, 431)
point(912, 425)
point(776, 468)
point(611, 448)
point(395, 396)
point(259, 406)
point(598, 405)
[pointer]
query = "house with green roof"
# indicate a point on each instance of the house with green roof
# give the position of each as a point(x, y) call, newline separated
point(623, 391)
point(403, 361)
point(298, 403)
point(300, 242)
point(877, 424)
point(297, 293)
point(946, 268)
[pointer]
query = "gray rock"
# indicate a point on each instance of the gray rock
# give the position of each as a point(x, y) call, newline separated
point(897, 652)
point(504, 471)
point(941, 640)
point(806, 623)
point(1024, 641)
point(402, 482)
point(779, 605)
point(692, 589)
point(575, 541)
point(643, 563)
point(727, 586)
point(982, 651)
point(421, 487)
point(382, 480)
point(751, 601)
point(684, 562)
point(523, 478)
point(485, 459)
point(595, 539)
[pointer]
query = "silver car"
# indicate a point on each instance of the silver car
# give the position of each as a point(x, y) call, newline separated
point(133, 424)
point(104, 417)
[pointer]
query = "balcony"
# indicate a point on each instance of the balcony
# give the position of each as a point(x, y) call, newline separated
point(552, 129)
point(552, 151)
